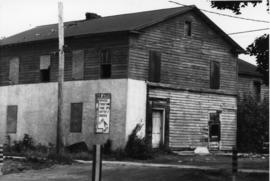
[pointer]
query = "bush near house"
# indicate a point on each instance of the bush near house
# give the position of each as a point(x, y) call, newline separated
point(252, 125)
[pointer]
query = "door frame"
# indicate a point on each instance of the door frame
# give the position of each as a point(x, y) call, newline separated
point(158, 104)
point(162, 140)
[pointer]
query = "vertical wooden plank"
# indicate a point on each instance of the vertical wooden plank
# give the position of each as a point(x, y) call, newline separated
point(14, 64)
point(77, 64)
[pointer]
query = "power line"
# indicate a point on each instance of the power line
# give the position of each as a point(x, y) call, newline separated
point(221, 14)
point(248, 31)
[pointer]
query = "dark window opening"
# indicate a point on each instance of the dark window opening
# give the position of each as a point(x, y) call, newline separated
point(45, 75)
point(12, 112)
point(154, 66)
point(105, 64)
point(105, 71)
point(257, 88)
point(214, 127)
point(187, 28)
point(215, 75)
point(45, 64)
point(76, 117)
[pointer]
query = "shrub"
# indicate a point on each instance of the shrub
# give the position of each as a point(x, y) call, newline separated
point(136, 147)
point(252, 125)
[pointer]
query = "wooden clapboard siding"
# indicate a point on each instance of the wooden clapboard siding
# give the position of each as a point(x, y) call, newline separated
point(189, 115)
point(30, 53)
point(185, 60)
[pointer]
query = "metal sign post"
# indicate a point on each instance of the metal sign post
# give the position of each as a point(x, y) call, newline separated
point(234, 164)
point(97, 163)
point(1, 158)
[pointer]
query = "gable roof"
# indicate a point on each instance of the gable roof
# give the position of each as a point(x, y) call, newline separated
point(117, 23)
point(245, 68)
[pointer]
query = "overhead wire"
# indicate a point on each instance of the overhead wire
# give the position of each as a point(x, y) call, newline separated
point(221, 14)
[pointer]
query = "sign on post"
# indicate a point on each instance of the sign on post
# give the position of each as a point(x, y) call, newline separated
point(103, 113)
point(97, 163)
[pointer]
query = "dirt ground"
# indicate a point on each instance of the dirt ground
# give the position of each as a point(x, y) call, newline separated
point(82, 172)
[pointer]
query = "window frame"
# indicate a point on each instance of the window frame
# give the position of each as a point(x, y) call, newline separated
point(188, 28)
point(215, 80)
point(77, 128)
point(154, 73)
point(105, 61)
point(8, 118)
point(75, 61)
point(10, 77)
point(43, 69)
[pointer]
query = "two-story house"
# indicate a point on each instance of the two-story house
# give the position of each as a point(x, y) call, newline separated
point(172, 70)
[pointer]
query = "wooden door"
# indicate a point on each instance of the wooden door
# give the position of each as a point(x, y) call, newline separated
point(157, 127)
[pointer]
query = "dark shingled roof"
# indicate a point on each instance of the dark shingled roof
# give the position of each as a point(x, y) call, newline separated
point(117, 23)
point(245, 68)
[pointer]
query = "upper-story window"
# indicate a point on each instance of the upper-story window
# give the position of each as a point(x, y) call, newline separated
point(77, 64)
point(105, 64)
point(14, 64)
point(214, 75)
point(257, 90)
point(154, 66)
point(187, 28)
point(45, 68)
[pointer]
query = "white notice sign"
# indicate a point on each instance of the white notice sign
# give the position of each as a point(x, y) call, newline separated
point(103, 110)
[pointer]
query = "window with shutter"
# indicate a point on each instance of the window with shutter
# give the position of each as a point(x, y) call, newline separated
point(12, 112)
point(154, 66)
point(215, 75)
point(45, 67)
point(14, 64)
point(77, 64)
point(76, 117)
point(187, 28)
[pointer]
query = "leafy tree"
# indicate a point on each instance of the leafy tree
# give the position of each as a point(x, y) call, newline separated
point(260, 47)
point(252, 125)
point(235, 6)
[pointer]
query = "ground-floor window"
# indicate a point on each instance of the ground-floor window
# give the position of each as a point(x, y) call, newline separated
point(12, 112)
point(76, 117)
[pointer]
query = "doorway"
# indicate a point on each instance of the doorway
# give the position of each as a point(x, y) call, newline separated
point(158, 117)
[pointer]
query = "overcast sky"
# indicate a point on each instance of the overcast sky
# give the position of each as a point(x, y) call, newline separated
point(20, 15)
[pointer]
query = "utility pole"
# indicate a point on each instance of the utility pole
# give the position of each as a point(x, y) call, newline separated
point(59, 133)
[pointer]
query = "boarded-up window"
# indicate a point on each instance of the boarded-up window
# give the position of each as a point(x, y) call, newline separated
point(12, 112)
point(154, 66)
point(76, 117)
point(187, 28)
point(214, 75)
point(257, 90)
point(45, 67)
point(77, 64)
point(105, 64)
point(14, 64)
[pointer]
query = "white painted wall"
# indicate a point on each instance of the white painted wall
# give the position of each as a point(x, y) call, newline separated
point(136, 106)
point(37, 110)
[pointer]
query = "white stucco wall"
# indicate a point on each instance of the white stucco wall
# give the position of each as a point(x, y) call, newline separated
point(37, 110)
point(136, 106)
